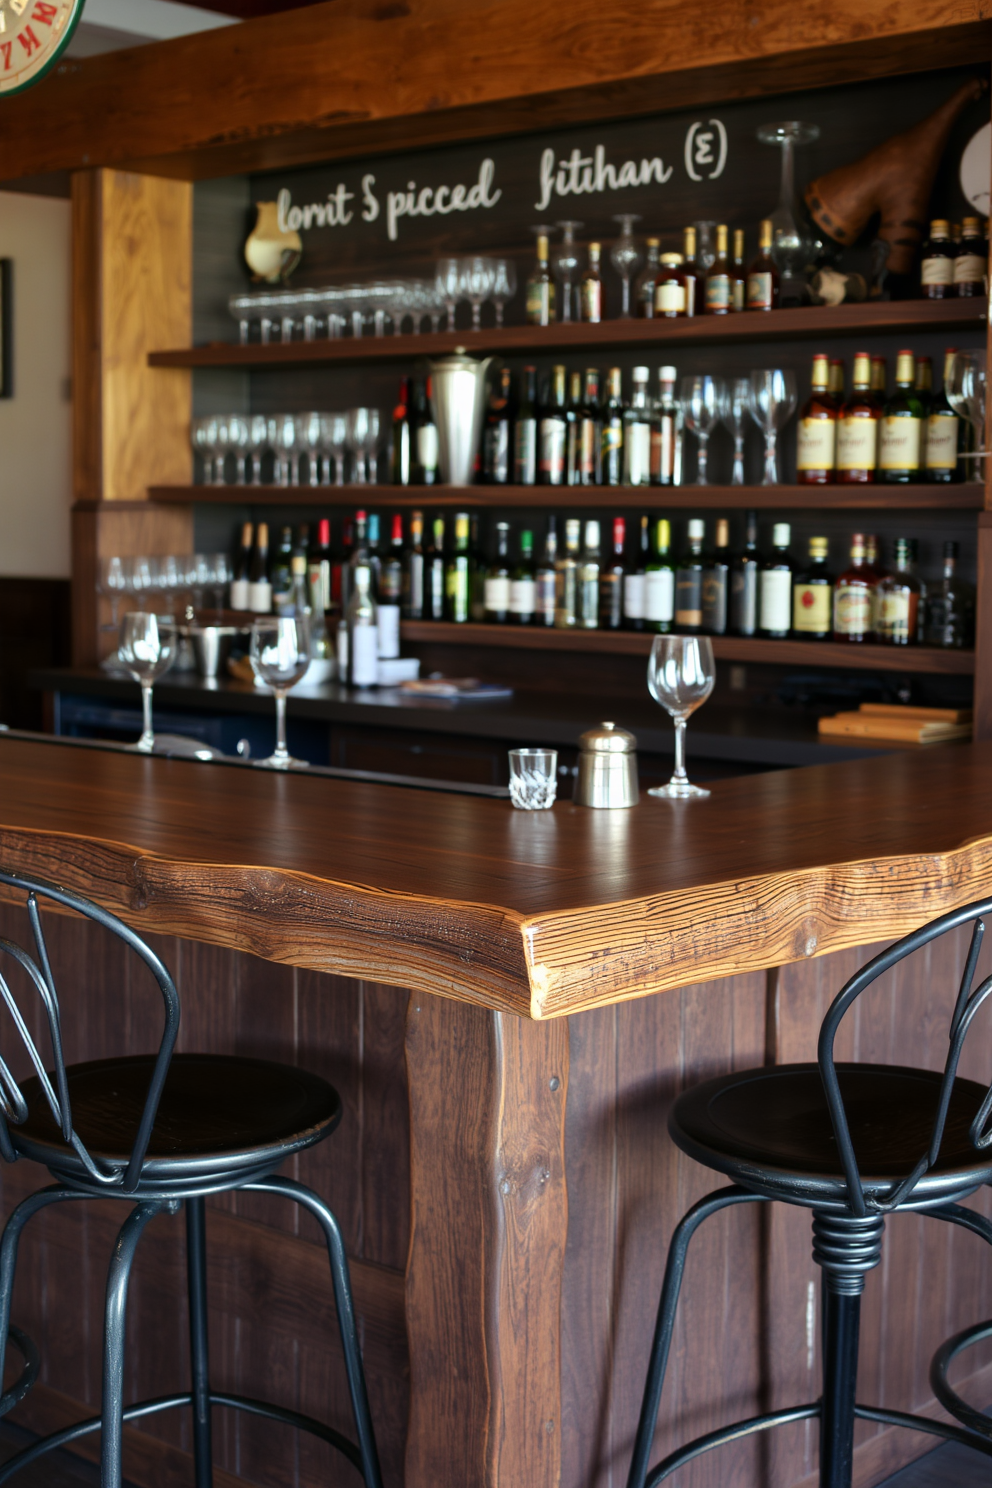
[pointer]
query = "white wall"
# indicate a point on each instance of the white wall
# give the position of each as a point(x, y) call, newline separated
point(35, 424)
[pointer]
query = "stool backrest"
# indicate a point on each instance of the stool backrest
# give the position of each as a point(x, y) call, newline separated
point(13, 1107)
point(969, 1000)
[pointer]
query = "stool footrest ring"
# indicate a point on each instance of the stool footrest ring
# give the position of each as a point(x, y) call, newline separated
point(170, 1402)
point(969, 1415)
point(27, 1376)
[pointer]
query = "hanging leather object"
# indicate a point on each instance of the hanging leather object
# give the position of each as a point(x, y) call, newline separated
point(895, 180)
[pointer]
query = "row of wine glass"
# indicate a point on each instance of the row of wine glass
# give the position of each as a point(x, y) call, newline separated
point(163, 580)
point(325, 438)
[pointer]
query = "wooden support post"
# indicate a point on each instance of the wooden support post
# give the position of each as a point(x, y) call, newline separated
point(488, 1229)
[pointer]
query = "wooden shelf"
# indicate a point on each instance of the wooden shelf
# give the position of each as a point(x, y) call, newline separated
point(726, 648)
point(686, 498)
point(885, 317)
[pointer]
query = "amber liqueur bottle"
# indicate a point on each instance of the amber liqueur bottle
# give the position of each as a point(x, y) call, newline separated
point(937, 263)
point(694, 274)
point(540, 293)
point(812, 595)
point(897, 599)
point(739, 276)
point(817, 432)
point(670, 287)
point(854, 596)
point(719, 291)
point(763, 280)
point(857, 429)
point(971, 262)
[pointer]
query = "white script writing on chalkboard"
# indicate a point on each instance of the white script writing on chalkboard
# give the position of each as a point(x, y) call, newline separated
point(414, 201)
point(699, 142)
point(581, 175)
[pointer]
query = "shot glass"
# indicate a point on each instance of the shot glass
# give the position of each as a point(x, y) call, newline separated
point(533, 778)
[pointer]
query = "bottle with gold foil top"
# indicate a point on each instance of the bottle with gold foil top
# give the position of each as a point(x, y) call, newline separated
point(943, 434)
point(567, 579)
point(836, 388)
point(812, 595)
point(879, 380)
point(763, 276)
point(900, 434)
point(971, 263)
point(854, 596)
point(857, 429)
point(591, 289)
point(817, 432)
point(670, 287)
point(739, 275)
point(719, 281)
point(694, 274)
point(924, 391)
point(937, 263)
point(540, 299)
point(897, 600)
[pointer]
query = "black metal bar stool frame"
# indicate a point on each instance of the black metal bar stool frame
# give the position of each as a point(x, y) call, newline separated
point(151, 1188)
point(849, 1209)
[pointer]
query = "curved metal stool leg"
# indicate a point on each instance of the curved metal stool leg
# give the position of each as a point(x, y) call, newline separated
point(199, 1345)
point(12, 1230)
point(955, 1405)
point(665, 1325)
point(346, 1315)
point(118, 1278)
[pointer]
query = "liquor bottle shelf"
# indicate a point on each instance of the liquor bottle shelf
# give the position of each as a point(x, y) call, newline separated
point(725, 648)
point(879, 318)
point(969, 497)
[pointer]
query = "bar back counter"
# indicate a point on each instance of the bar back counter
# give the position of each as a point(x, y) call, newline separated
point(508, 1003)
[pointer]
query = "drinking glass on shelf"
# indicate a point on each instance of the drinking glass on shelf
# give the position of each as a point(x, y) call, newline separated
point(280, 656)
point(112, 580)
point(565, 264)
point(681, 673)
point(505, 285)
point(172, 577)
point(734, 411)
point(222, 444)
point(370, 448)
point(307, 428)
point(333, 443)
point(478, 276)
point(143, 579)
point(772, 401)
point(447, 281)
point(202, 432)
point(282, 439)
point(258, 443)
point(966, 393)
point(701, 400)
point(625, 256)
point(147, 650)
point(237, 443)
point(792, 244)
point(705, 246)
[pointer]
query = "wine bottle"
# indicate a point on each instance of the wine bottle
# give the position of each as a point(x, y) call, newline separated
point(281, 573)
point(412, 602)
point(937, 263)
point(400, 438)
point(423, 437)
point(591, 288)
point(763, 279)
point(319, 569)
point(589, 433)
point(477, 567)
point(944, 430)
point(812, 595)
point(611, 432)
point(971, 262)
point(633, 582)
point(496, 459)
point(644, 284)
point(694, 275)
point(857, 429)
point(899, 434)
point(259, 587)
point(924, 392)
point(299, 596)
point(637, 432)
point(363, 623)
point(375, 557)
point(738, 286)
point(567, 579)
point(546, 580)
point(540, 299)
point(719, 279)
point(836, 387)
point(950, 607)
point(716, 569)
point(390, 592)
point(523, 587)
point(525, 432)
point(744, 582)
point(240, 596)
point(659, 580)
point(670, 289)
point(434, 574)
point(817, 431)
point(854, 600)
point(497, 581)
point(666, 432)
point(611, 581)
point(775, 585)
point(897, 604)
point(573, 414)
point(457, 578)
point(587, 579)
point(552, 436)
point(689, 581)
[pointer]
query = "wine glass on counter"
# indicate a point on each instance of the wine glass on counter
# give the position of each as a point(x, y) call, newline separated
point(734, 412)
point(505, 285)
point(280, 656)
point(147, 650)
point(565, 263)
point(772, 401)
point(626, 257)
point(966, 393)
point(702, 399)
point(681, 674)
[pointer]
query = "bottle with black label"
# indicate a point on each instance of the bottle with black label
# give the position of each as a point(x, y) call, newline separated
point(897, 599)
point(637, 432)
point(591, 288)
point(611, 433)
point(816, 440)
point(457, 574)
point(944, 430)
point(588, 432)
point(552, 432)
point(240, 595)
point(612, 574)
point(523, 588)
point(715, 582)
point(413, 570)
point(812, 595)
point(937, 263)
point(971, 262)
point(763, 277)
point(644, 284)
point(633, 582)
point(587, 579)
point(950, 607)
point(900, 432)
point(666, 432)
point(497, 581)
point(423, 437)
point(659, 580)
point(390, 594)
point(719, 278)
point(775, 586)
point(744, 582)
point(400, 438)
point(567, 578)
point(540, 297)
point(689, 581)
point(434, 587)
point(525, 432)
point(545, 579)
point(259, 588)
point(496, 433)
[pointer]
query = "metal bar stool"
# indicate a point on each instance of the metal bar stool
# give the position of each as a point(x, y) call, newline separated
point(853, 1143)
point(161, 1132)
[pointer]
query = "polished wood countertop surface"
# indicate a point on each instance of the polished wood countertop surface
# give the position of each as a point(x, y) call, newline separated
point(539, 913)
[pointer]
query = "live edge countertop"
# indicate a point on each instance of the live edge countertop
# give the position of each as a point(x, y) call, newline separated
point(535, 913)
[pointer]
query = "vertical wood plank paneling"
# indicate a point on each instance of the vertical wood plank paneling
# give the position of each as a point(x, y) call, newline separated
point(329, 1033)
point(385, 1127)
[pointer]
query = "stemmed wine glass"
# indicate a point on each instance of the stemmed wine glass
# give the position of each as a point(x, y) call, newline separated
point(202, 435)
point(282, 438)
point(681, 673)
point(566, 266)
point(280, 656)
point(772, 401)
point(112, 581)
point(447, 282)
point(791, 245)
point(258, 442)
point(478, 276)
point(307, 426)
point(360, 437)
point(702, 400)
point(966, 393)
point(333, 442)
point(734, 410)
point(505, 285)
point(147, 651)
point(625, 256)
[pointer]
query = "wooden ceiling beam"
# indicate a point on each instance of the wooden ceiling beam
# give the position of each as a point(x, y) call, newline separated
point(349, 77)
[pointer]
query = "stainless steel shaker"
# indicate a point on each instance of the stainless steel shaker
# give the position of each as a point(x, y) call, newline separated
point(607, 768)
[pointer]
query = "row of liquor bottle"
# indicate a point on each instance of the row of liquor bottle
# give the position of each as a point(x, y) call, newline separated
point(579, 584)
point(954, 262)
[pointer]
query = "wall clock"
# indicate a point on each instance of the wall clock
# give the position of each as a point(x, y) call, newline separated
point(33, 35)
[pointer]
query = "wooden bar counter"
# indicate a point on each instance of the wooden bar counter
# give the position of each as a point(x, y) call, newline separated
point(508, 1003)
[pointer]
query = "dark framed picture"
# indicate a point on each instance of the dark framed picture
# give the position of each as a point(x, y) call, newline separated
point(6, 328)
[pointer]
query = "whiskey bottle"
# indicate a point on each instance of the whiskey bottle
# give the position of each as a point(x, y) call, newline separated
point(497, 581)
point(744, 582)
point(857, 429)
point(670, 288)
point(937, 263)
point(897, 599)
point(525, 433)
point(611, 581)
point(633, 582)
point(775, 585)
point(523, 587)
point(540, 299)
point(567, 579)
point(552, 432)
point(644, 284)
point(817, 431)
point(611, 432)
point(719, 279)
point(854, 596)
point(738, 288)
point(899, 436)
point(545, 579)
point(587, 579)
point(693, 273)
point(637, 432)
point(689, 581)
point(812, 595)
point(591, 289)
point(659, 580)
point(716, 569)
point(763, 276)
point(971, 262)
point(666, 432)
point(950, 607)
point(496, 456)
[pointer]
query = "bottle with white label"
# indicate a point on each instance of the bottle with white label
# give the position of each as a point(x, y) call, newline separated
point(423, 437)
point(971, 264)
point(259, 588)
point(552, 432)
point(689, 581)
point(633, 582)
point(497, 588)
point(900, 434)
point(241, 582)
point(523, 587)
point(363, 615)
point(944, 430)
point(775, 586)
point(816, 441)
point(525, 432)
point(857, 429)
point(389, 593)
point(587, 579)
point(637, 432)
point(669, 288)
point(937, 263)
point(659, 580)
point(854, 596)
point(666, 432)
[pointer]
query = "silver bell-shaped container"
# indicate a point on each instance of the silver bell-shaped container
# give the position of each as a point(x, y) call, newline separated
point(607, 768)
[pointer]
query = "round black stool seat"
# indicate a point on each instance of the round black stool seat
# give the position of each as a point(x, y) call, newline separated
point(219, 1117)
point(769, 1129)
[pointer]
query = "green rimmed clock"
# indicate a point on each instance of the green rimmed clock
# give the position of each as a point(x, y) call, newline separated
point(33, 35)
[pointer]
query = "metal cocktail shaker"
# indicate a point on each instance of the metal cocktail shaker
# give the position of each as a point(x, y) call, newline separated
point(458, 399)
point(607, 768)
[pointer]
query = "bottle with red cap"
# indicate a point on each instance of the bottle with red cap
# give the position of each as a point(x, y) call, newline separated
point(400, 461)
point(319, 569)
